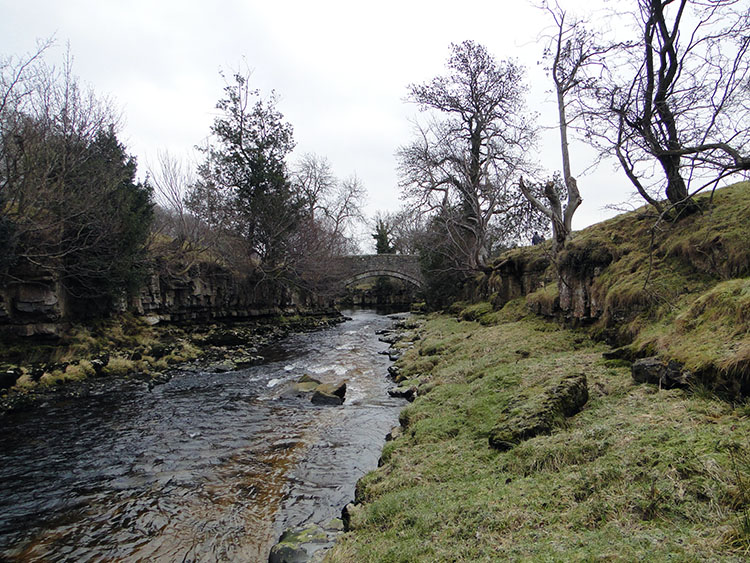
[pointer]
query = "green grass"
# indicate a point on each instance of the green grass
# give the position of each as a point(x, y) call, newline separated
point(639, 474)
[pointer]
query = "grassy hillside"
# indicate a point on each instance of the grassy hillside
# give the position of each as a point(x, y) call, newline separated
point(640, 473)
point(680, 290)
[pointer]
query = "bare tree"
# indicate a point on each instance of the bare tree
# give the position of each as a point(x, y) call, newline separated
point(179, 238)
point(333, 205)
point(408, 230)
point(344, 208)
point(313, 178)
point(170, 179)
point(676, 106)
point(464, 156)
point(574, 53)
point(331, 208)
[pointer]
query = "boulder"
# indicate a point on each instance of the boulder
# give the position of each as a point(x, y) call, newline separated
point(9, 377)
point(408, 393)
point(224, 367)
point(98, 364)
point(306, 383)
point(37, 371)
point(389, 338)
point(322, 398)
point(563, 399)
point(298, 545)
point(395, 432)
point(337, 389)
point(307, 543)
point(569, 395)
point(666, 374)
point(353, 516)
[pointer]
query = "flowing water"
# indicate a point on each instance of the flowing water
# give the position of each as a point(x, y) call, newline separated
point(207, 467)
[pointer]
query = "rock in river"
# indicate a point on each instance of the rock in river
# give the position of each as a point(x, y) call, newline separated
point(322, 393)
point(328, 394)
point(306, 383)
point(306, 544)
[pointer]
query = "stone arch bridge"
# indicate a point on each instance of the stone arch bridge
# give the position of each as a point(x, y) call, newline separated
point(351, 269)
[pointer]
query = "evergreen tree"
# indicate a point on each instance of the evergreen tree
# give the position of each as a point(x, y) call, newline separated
point(382, 237)
point(243, 184)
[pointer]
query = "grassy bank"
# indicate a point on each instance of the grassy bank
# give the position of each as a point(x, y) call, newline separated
point(638, 474)
point(679, 290)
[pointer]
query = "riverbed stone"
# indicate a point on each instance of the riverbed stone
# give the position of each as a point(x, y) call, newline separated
point(322, 398)
point(298, 545)
point(335, 524)
point(353, 515)
point(408, 393)
point(395, 433)
point(98, 364)
point(9, 377)
point(389, 338)
point(224, 367)
point(306, 383)
point(337, 389)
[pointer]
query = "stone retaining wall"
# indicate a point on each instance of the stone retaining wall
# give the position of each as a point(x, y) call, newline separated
point(207, 292)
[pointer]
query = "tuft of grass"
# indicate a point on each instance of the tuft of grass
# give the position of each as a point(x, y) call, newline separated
point(476, 312)
point(118, 366)
point(739, 536)
point(709, 333)
point(77, 372)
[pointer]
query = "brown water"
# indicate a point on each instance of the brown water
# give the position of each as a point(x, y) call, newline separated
point(207, 467)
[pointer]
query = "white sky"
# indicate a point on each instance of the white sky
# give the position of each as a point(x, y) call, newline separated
point(341, 69)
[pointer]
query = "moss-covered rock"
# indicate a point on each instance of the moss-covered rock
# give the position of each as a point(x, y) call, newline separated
point(296, 546)
point(306, 384)
point(563, 399)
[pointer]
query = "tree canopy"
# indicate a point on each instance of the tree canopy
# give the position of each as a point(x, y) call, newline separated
point(70, 205)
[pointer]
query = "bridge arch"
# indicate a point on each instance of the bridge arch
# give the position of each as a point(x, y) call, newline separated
point(350, 269)
point(386, 273)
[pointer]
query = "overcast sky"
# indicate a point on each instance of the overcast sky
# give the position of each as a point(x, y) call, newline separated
point(341, 70)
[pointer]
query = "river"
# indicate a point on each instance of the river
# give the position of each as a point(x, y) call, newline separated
point(206, 467)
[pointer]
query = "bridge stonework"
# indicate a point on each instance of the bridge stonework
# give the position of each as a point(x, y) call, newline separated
point(351, 269)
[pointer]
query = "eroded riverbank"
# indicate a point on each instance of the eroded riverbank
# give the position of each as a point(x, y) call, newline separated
point(207, 466)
